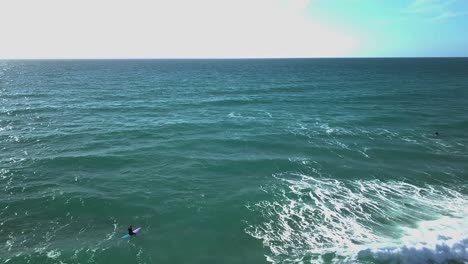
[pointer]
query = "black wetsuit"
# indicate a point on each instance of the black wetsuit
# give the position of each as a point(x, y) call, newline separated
point(130, 231)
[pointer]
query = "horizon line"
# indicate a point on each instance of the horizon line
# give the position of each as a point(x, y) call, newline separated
point(231, 58)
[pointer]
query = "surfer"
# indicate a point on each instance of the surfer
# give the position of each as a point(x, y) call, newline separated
point(437, 133)
point(130, 230)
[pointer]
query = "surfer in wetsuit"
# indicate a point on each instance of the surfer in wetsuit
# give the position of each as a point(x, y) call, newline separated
point(130, 230)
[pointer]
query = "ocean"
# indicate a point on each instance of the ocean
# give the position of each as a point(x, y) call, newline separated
point(234, 161)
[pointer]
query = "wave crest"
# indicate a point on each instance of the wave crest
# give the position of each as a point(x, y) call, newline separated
point(327, 220)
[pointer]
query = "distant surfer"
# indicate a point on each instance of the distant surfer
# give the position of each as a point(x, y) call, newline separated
point(130, 231)
point(437, 133)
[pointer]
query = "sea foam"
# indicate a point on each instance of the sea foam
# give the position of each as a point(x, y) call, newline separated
point(311, 218)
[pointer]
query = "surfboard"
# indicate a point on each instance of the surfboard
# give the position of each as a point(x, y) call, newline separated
point(134, 231)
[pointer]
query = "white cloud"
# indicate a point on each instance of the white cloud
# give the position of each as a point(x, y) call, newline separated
point(172, 28)
point(448, 14)
point(425, 6)
point(434, 9)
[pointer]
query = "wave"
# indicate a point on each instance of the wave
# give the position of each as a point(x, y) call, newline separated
point(444, 240)
point(314, 219)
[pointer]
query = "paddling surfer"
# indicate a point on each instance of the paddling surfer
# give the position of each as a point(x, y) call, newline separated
point(130, 230)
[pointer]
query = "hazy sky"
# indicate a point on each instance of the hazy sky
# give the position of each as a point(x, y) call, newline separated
point(232, 28)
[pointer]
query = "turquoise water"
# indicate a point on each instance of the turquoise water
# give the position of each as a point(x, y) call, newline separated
point(234, 161)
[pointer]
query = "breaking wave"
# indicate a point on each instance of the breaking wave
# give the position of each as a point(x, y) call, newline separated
point(313, 219)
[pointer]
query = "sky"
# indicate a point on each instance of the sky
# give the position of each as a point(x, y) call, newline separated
point(32, 29)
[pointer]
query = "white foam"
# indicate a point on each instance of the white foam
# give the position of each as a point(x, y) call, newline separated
point(53, 254)
point(410, 255)
point(363, 152)
point(14, 138)
point(409, 140)
point(113, 233)
point(3, 173)
point(327, 128)
point(268, 114)
point(312, 216)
